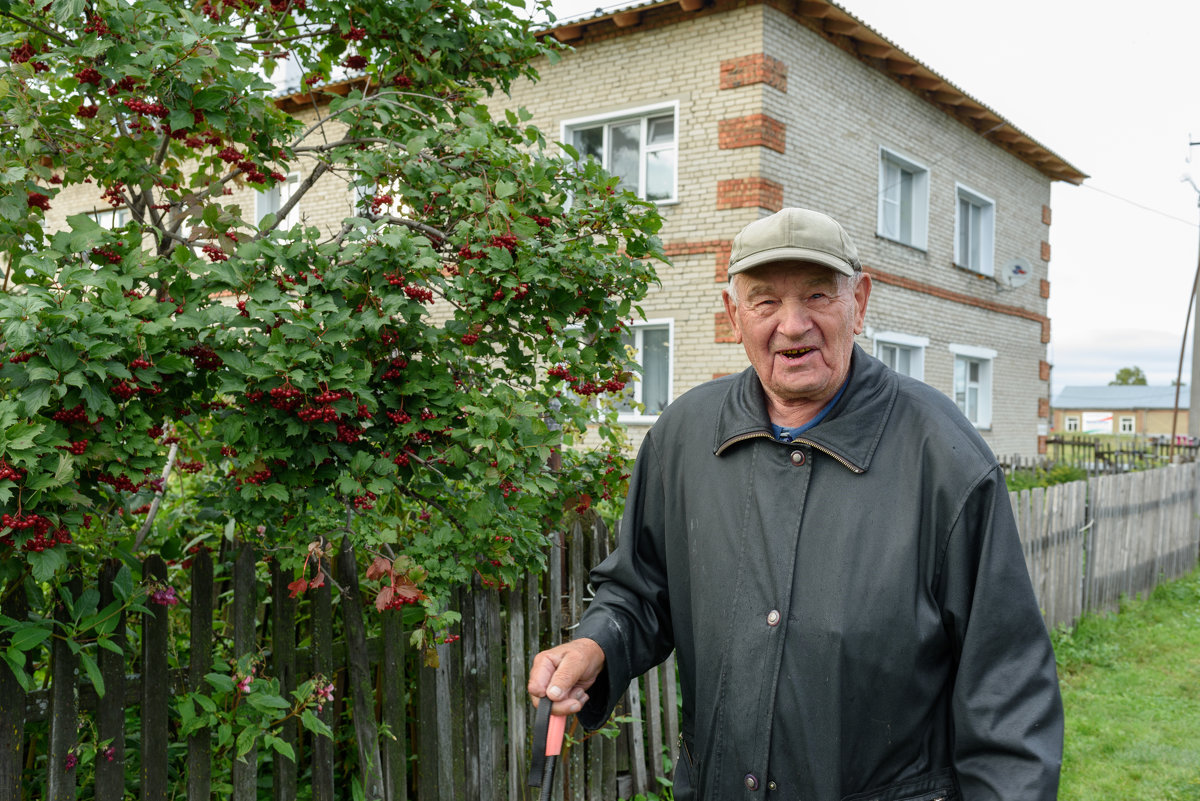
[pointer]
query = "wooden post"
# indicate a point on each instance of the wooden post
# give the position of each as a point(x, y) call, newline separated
point(199, 760)
point(110, 717)
point(283, 653)
point(12, 702)
point(359, 672)
point(64, 706)
point(518, 701)
point(392, 686)
point(155, 687)
point(245, 600)
point(322, 649)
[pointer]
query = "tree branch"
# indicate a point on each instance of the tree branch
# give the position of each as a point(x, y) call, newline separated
point(55, 36)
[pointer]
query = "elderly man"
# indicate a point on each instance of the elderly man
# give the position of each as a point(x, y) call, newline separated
point(829, 548)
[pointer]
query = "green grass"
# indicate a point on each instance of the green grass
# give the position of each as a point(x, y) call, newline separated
point(1131, 688)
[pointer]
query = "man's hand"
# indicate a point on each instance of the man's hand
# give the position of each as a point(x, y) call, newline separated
point(564, 673)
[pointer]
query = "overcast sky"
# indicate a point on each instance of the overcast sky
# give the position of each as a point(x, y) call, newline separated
point(1115, 93)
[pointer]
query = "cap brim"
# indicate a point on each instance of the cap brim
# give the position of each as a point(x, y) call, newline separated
point(791, 254)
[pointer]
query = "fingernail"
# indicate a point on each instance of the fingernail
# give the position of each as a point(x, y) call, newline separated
point(554, 692)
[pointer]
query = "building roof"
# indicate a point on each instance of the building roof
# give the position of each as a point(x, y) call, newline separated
point(1121, 397)
point(860, 40)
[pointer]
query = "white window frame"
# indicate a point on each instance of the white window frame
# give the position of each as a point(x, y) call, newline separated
point(1071, 423)
point(984, 263)
point(270, 201)
point(644, 113)
point(1126, 424)
point(985, 358)
point(635, 379)
point(112, 218)
point(913, 344)
point(891, 199)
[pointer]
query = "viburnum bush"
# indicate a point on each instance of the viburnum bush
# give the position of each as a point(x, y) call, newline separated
point(419, 376)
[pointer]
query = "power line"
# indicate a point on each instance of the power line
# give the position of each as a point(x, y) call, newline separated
point(1114, 196)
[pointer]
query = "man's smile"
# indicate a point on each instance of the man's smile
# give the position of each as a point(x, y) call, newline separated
point(795, 353)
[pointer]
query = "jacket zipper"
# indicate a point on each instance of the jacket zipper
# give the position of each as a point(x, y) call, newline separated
point(743, 437)
point(827, 452)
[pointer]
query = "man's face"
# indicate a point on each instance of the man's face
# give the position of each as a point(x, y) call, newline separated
point(797, 323)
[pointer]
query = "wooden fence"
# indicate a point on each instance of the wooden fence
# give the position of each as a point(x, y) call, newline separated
point(460, 730)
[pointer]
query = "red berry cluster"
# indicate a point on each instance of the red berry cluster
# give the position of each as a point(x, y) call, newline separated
point(96, 25)
point(400, 599)
point(203, 356)
point(379, 201)
point(112, 194)
point(191, 467)
point(20, 357)
point(347, 433)
point(76, 414)
point(10, 472)
point(77, 448)
point(155, 431)
point(593, 388)
point(317, 414)
point(541, 221)
point(123, 390)
point(355, 34)
point(107, 253)
point(286, 397)
point(21, 53)
point(506, 241)
point(355, 62)
point(139, 106)
point(365, 501)
point(89, 75)
point(140, 364)
point(399, 418)
point(470, 339)
point(466, 254)
point(87, 112)
point(419, 293)
point(403, 81)
point(214, 253)
point(227, 450)
point(40, 542)
point(119, 483)
point(395, 366)
point(253, 396)
point(38, 200)
point(363, 412)
point(258, 479)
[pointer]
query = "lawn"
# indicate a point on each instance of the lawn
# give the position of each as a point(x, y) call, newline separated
point(1131, 688)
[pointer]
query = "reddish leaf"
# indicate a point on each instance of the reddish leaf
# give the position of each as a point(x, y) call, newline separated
point(379, 568)
point(384, 599)
point(319, 581)
point(407, 591)
point(296, 587)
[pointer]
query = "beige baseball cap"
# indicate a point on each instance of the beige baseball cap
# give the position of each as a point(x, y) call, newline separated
point(794, 235)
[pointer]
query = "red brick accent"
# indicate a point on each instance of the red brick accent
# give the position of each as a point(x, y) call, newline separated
point(748, 193)
point(720, 247)
point(1045, 215)
point(1042, 445)
point(1045, 289)
point(757, 68)
point(1045, 251)
point(755, 130)
point(958, 297)
point(724, 328)
point(1043, 407)
point(1044, 370)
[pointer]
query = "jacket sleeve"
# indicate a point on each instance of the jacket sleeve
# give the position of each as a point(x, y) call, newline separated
point(630, 615)
point(1006, 709)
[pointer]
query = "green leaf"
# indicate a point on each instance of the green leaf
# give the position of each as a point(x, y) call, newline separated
point(123, 583)
point(36, 396)
point(280, 746)
point(266, 701)
point(28, 638)
point(61, 355)
point(206, 703)
point(220, 682)
point(46, 563)
point(16, 663)
point(93, 672)
point(505, 189)
point(245, 741)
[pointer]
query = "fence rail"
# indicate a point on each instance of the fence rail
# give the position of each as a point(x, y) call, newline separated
point(460, 729)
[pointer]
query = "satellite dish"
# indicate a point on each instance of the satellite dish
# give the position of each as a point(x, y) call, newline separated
point(1015, 273)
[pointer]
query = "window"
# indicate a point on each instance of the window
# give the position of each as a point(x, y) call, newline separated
point(639, 147)
point(114, 218)
point(973, 382)
point(974, 231)
point(902, 352)
point(1126, 425)
point(903, 200)
point(1072, 424)
point(275, 198)
point(649, 392)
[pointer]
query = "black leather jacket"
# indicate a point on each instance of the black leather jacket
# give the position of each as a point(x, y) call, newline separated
point(852, 613)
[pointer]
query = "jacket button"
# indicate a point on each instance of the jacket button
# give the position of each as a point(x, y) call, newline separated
point(751, 781)
point(773, 617)
point(797, 458)
point(772, 786)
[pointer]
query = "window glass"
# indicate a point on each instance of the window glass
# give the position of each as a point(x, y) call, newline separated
point(641, 151)
point(590, 142)
point(648, 393)
point(624, 150)
point(974, 231)
point(903, 200)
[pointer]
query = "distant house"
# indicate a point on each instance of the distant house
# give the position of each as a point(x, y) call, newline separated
point(722, 111)
point(1144, 410)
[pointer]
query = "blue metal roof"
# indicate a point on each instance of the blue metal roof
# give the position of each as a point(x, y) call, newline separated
point(1121, 397)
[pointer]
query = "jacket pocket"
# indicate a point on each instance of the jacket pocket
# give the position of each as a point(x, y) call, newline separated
point(937, 786)
point(684, 781)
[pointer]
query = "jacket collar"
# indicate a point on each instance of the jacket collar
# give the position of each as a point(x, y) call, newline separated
point(850, 433)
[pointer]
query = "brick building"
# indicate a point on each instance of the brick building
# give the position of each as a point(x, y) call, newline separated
point(723, 111)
